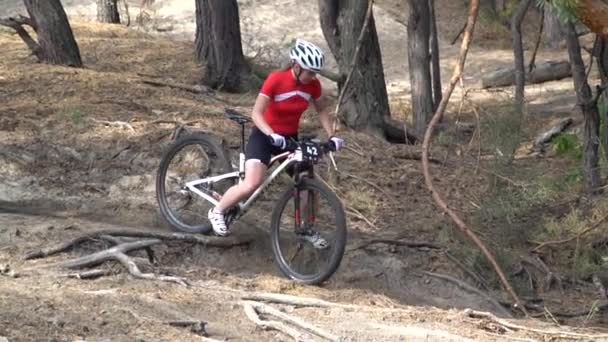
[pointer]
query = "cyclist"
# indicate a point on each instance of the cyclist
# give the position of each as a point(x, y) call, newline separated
point(284, 96)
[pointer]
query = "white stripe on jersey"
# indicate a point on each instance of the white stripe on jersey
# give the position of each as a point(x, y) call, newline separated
point(290, 94)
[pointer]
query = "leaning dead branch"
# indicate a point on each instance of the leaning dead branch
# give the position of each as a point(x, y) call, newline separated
point(437, 196)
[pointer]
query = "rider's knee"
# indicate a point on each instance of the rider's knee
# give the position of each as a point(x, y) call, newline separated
point(250, 185)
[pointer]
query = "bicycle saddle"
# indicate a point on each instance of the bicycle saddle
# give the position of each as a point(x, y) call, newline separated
point(236, 116)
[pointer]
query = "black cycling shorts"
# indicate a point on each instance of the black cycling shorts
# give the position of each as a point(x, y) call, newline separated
point(259, 147)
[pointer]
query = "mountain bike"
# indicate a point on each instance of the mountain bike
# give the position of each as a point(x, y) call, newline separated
point(195, 170)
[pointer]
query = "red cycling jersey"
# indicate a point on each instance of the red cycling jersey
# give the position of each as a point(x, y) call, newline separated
point(288, 100)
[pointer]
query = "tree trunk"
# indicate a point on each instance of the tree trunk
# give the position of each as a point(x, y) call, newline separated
point(518, 51)
point(602, 58)
point(553, 29)
point(107, 11)
point(200, 9)
point(55, 36)
point(366, 103)
point(435, 65)
point(218, 44)
point(602, 64)
point(589, 109)
point(418, 35)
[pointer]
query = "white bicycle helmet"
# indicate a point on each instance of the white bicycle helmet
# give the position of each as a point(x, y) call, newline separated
point(307, 55)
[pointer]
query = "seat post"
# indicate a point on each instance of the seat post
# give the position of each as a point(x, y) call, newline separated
point(243, 138)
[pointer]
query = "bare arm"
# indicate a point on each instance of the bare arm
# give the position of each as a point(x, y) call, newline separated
point(258, 114)
point(322, 107)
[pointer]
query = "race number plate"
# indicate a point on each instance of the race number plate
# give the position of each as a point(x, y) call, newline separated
point(311, 151)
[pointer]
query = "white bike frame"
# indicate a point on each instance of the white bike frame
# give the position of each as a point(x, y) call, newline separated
point(291, 158)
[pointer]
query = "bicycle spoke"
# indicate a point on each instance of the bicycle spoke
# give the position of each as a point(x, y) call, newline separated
point(298, 249)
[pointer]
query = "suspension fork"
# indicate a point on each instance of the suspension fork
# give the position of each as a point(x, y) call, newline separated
point(310, 203)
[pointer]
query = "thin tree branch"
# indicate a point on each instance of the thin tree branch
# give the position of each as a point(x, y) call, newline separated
point(539, 38)
point(457, 74)
point(16, 24)
point(577, 236)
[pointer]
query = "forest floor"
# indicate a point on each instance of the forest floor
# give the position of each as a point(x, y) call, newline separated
point(64, 171)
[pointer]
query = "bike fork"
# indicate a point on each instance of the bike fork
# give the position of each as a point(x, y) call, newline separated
point(309, 210)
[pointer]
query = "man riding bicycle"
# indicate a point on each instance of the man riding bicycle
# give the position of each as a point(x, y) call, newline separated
point(284, 97)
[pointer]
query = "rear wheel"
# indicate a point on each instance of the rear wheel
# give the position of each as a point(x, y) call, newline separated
point(189, 158)
point(294, 220)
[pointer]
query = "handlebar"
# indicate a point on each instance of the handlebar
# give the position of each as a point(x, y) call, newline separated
point(326, 147)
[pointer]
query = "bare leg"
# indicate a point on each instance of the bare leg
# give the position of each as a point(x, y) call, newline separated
point(254, 175)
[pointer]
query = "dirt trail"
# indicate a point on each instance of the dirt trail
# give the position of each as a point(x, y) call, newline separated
point(62, 173)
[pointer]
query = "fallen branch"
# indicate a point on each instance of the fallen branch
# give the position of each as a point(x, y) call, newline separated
point(251, 313)
point(278, 298)
point(456, 76)
point(548, 135)
point(268, 310)
point(577, 236)
point(415, 156)
point(197, 89)
point(470, 289)
point(209, 241)
point(120, 124)
point(90, 274)
point(410, 244)
point(552, 333)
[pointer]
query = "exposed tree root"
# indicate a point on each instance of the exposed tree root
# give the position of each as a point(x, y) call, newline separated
point(123, 242)
point(254, 309)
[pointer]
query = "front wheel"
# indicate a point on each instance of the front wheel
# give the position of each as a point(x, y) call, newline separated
point(308, 232)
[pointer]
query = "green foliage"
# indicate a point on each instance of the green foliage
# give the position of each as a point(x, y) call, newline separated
point(568, 144)
point(565, 9)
